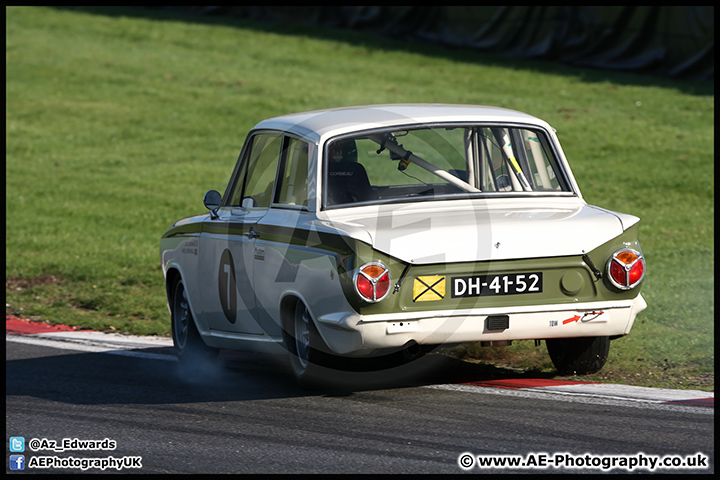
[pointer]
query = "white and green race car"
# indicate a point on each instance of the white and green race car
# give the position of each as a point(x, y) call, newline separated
point(361, 231)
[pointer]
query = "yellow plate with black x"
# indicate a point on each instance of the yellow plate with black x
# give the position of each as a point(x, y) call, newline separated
point(429, 288)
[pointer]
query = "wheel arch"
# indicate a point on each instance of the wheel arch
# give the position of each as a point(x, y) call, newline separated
point(288, 303)
point(172, 276)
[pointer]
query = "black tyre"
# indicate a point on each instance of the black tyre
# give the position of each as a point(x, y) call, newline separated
point(303, 341)
point(189, 346)
point(578, 356)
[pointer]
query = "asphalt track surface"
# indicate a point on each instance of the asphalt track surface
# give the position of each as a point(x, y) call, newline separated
point(249, 416)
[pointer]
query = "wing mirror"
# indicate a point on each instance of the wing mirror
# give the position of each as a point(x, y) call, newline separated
point(212, 200)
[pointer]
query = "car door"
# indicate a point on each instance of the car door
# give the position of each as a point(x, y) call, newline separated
point(228, 247)
point(278, 249)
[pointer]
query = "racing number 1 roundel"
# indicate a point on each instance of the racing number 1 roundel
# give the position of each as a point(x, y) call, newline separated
point(226, 284)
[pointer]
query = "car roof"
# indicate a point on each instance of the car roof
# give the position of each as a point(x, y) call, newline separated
point(318, 124)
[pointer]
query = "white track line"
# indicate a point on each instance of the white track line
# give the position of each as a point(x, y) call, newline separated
point(98, 342)
point(606, 394)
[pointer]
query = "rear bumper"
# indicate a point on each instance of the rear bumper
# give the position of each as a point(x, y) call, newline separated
point(349, 332)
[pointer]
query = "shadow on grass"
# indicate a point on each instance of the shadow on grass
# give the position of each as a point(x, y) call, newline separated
point(371, 40)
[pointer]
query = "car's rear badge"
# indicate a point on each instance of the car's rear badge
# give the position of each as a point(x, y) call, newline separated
point(429, 288)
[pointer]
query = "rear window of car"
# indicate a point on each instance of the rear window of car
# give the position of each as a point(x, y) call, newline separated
point(440, 162)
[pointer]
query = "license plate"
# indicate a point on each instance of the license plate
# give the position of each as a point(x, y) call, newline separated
point(496, 284)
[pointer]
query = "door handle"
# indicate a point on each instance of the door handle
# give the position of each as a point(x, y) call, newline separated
point(252, 234)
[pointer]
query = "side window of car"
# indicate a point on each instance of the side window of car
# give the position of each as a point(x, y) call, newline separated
point(293, 184)
point(256, 178)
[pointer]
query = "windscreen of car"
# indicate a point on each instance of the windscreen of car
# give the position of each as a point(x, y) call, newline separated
point(440, 162)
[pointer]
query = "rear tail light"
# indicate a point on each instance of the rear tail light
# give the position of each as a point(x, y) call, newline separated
point(372, 282)
point(626, 269)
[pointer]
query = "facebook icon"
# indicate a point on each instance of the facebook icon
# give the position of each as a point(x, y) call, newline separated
point(17, 462)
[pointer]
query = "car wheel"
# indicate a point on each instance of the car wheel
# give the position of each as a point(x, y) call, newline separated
point(578, 356)
point(189, 346)
point(302, 342)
